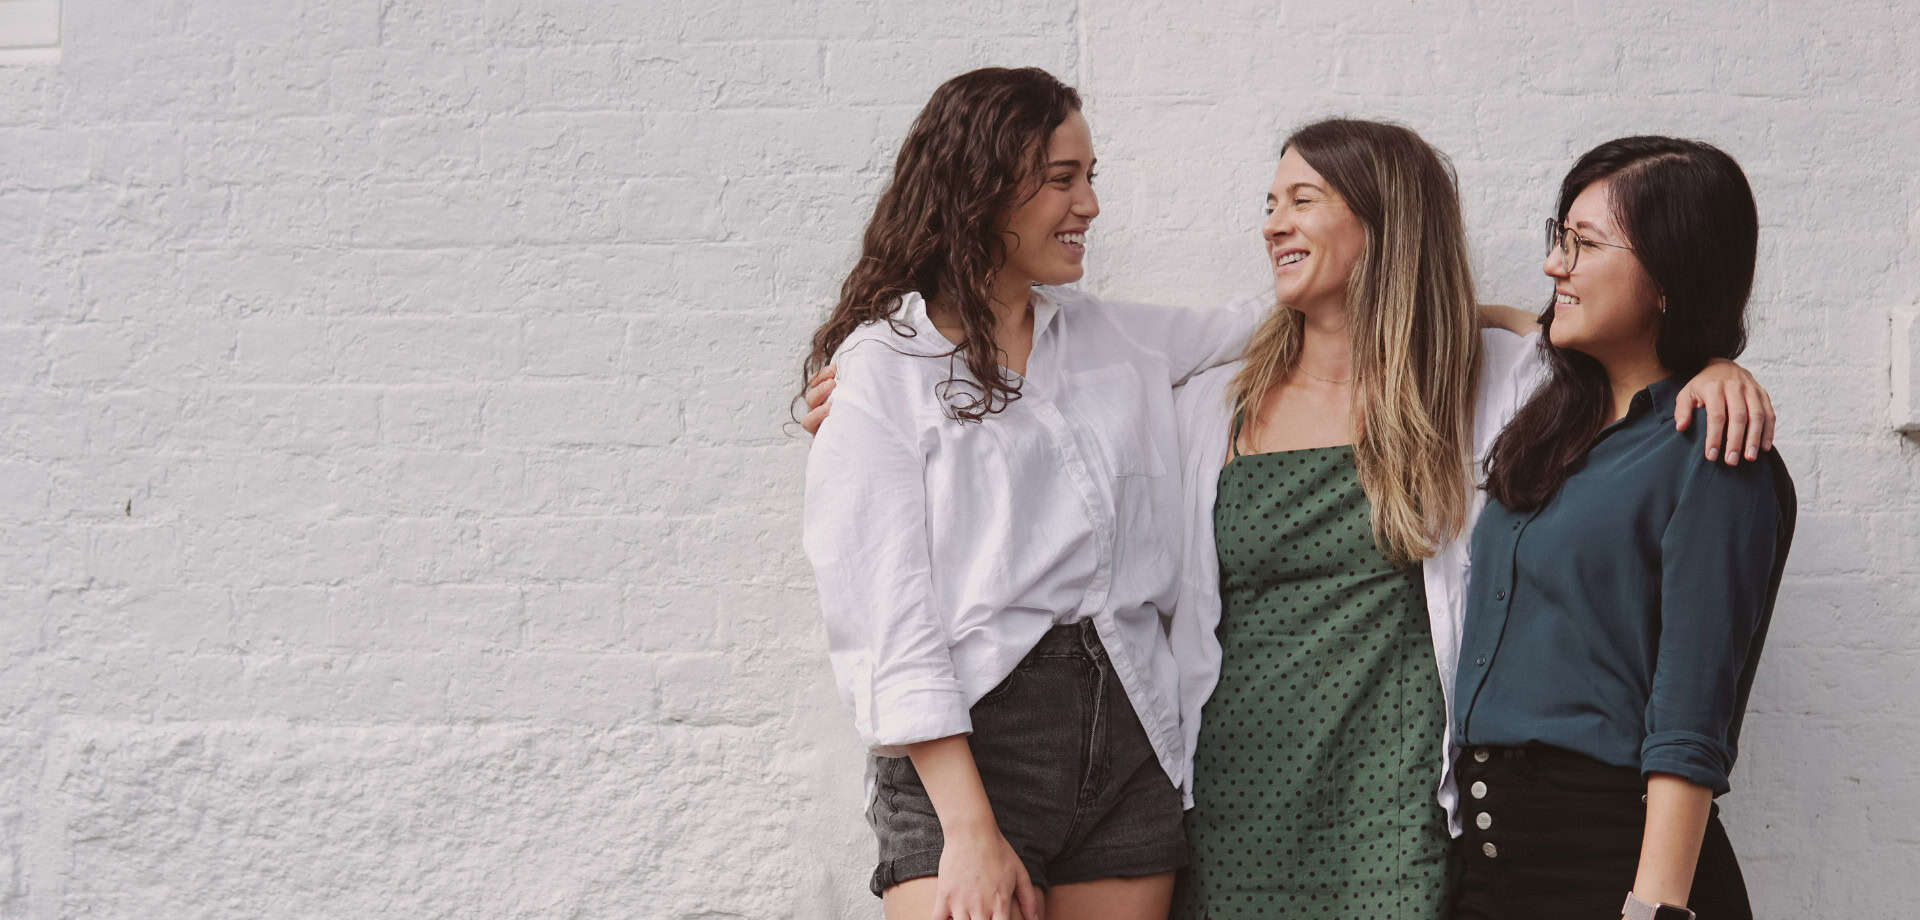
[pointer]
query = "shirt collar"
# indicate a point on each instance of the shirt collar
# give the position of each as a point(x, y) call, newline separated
point(1650, 402)
point(1045, 306)
point(913, 311)
point(1658, 395)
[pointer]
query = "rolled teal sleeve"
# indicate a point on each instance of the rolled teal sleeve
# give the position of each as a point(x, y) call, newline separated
point(1716, 556)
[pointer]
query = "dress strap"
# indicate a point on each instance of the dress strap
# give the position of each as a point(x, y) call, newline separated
point(1233, 439)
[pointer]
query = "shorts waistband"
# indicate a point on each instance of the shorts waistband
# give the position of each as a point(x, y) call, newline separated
point(1076, 640)
point(1475, 758)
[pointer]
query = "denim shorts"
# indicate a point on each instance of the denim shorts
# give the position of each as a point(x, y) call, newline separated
point(1075, 786)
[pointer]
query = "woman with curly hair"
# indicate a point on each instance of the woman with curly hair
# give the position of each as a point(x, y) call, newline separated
point(992, 514)
point(996, 518)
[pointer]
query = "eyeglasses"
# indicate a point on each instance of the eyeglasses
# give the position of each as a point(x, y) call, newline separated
point(1569, 242)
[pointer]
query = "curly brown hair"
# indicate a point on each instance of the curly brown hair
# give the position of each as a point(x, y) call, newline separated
point(977, 150)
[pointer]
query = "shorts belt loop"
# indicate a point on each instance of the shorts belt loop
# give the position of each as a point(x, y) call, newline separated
point(1090, 639)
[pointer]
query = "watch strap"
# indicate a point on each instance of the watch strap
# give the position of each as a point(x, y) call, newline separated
point(1636, 909)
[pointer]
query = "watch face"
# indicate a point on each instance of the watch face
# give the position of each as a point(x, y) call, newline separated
point(1663, 912)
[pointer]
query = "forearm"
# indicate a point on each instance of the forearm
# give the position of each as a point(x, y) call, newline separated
point(1670, 848)
point(1512, 319)
point(952, 781)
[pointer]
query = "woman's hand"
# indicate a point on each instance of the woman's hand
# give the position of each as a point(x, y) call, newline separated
point(819, 387)
point(1738, 408)
point(981, 878)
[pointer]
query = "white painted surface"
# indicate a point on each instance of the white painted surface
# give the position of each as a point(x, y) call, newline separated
point(398, 519)
point(1905, 345)
point(29, 23)
point(29, 33)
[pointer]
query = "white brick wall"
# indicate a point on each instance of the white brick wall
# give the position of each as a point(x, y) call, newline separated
point(398, 517)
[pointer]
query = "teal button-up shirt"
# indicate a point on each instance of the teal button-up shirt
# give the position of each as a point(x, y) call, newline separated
point(1623, 620)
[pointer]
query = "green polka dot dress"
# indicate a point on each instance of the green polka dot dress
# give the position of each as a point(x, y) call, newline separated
point(1320, 748)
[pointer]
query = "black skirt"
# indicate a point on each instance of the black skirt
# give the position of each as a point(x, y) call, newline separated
point(1551, 833)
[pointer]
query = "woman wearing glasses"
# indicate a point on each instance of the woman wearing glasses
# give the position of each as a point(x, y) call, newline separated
point(1328, 496)
point(1034, 534)
point(1622, 590)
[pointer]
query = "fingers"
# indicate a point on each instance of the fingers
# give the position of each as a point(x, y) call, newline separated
point(1736, 429)
point(1757, 421)
point(811, 421)
point(1032, 906)
point(817, 393)
point(1683, 406)
point(1766, 440)
point(820, 376)
point(1716, 426)
point(819, 388)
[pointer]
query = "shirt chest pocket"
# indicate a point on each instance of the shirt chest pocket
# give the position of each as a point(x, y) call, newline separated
point(1110, 404)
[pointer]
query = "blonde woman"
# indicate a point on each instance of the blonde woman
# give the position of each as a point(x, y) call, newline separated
point(1419, 354)
point(1328, 484)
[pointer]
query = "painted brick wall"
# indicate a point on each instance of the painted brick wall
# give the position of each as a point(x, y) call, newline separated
point(398, 515)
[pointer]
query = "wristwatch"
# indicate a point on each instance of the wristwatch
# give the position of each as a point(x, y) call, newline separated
point(1636, 909)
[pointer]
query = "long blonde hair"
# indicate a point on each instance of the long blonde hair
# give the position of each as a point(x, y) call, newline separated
point(1412, 318)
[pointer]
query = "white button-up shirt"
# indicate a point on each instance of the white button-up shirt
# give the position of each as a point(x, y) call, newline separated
point(945, 549)
point(1510, 370)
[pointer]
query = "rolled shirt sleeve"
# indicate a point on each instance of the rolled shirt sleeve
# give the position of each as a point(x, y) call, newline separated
point(866, 534)
point(1717, 555)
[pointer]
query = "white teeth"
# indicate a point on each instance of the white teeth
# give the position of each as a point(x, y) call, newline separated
point(1565, 298)
point(1290, 258)
point(1077, 239)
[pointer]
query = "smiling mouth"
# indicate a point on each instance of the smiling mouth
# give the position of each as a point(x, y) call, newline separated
point(1565, 300)
point(1075, 241)
point(1292, 257)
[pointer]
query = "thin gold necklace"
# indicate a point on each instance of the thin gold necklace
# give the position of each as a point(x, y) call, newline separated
point(1302, 369)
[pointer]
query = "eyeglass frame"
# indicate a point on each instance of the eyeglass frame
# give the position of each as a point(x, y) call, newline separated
point(1557, 234)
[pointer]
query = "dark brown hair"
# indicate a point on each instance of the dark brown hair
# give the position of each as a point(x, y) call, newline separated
point(1688, 213)
point(976, 150)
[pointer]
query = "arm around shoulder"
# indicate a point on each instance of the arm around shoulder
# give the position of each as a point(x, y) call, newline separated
point(1192, 340)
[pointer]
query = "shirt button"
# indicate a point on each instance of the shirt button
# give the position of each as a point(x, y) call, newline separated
point(1490, 850)
point(1516, 525)
point(1479, 789)
point(1481, 755)
point(1482, 660)
point(1500, 595)
point(1483, 820)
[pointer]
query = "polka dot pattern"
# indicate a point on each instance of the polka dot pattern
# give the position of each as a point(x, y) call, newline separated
point(1314, 778)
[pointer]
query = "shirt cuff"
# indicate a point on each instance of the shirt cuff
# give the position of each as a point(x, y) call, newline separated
point(1693, 757)
point(908, 715)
